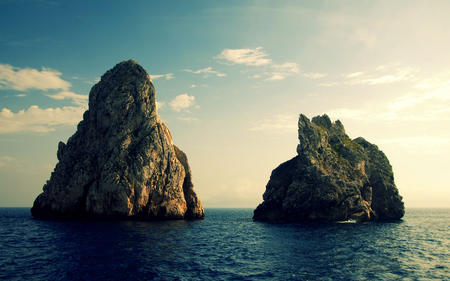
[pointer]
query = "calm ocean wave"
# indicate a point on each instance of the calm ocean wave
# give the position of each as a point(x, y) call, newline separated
point(226, 245)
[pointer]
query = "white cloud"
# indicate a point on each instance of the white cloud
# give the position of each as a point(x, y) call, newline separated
point(339, 113)
point(168, 76)
point(405, 101)
point(21, 95)
point(36, 119)
point(279, 124)
point(387, 66)
point(195, 86)
point(181, 102)
point(80, 100)
point(283, 70)
point(256, 57)
point(436, 109)
point(355, 74)
point(420, 107)
point(188, 119)
point(400, 74)
point(39, 120)
point(207, 71)
point(374, 78)
point(328, 84)
point(380, 80)
point(431, 84)
point(422, 144)
point(18, 79)
point(160, 105)
point(440, 114)
point(288, 67)
point(313, 75)
point(253, 57)
point(276, 77)
point(6, 161)
point(96, 80)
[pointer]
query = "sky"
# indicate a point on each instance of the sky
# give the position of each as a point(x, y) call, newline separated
point(231, 79)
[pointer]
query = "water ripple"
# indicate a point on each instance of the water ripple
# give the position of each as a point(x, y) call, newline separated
point(226, 245)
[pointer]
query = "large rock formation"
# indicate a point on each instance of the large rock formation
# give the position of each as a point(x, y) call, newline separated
point(332, 178)
point(121, 162)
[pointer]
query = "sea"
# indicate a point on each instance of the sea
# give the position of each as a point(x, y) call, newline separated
point(226, 245)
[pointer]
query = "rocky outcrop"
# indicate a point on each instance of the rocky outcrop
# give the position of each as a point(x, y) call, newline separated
point(121, 162)
point(333, 178)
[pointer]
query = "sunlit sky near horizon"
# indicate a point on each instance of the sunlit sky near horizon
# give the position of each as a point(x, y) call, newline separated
point(231, 78)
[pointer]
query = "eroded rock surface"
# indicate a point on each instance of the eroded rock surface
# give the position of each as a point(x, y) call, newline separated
point(333, 178)
point(121, 162)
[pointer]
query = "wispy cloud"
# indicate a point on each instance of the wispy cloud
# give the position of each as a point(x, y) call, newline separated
point(437, 100)
point(431, 84)
point(288, 67)
point(6, 161)
point(182, 102)
point(387, 66)
point(313, 75)
point(195, 86)
point(276, 77)
point(80, 100)
point(405, 102)
point(168, 76)
point(328, 84)
point(90, 82)
point(428, 106)
point(188, 119)
point(398, 75)
point(207, 71)
point(355, 74)
point(15, 78)
point(345, 113)
point(376, 76)
point(39, 120)
point(160, 105)
point(282, 70)
point(422, 144)
point(278, 124)
point(254, 57)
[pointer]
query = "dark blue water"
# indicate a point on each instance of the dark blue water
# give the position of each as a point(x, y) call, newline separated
point(226, 245)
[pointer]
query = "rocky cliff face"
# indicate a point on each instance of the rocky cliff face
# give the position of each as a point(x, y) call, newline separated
point(121, 162)
point(332, 178)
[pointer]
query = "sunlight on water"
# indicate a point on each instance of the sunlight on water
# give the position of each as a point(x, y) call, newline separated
point(226, 245)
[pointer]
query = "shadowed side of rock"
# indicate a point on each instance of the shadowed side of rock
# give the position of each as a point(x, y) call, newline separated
point(121, 162)
point(333, 178)
point(194, 205)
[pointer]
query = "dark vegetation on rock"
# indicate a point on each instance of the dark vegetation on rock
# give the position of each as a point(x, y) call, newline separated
point(121, 162)
point(333, 178)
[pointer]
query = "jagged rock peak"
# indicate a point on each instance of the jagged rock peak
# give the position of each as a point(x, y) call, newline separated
point(332, 178)
point(121, 162)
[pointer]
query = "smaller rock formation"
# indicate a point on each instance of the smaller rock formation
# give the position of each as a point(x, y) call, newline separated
point(333, 178)
point(121, 162)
